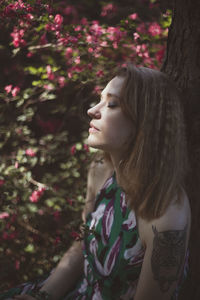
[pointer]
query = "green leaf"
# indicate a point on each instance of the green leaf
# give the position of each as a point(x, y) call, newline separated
point(32, 207)
point(49, 202)
point(29, 248)
point(9, 170)
point(79, 146)
point(20, 102)
point(21, 118)
point(56, 258)
point(37, 83)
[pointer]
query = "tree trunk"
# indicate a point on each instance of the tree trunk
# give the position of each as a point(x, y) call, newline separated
point(182, 63)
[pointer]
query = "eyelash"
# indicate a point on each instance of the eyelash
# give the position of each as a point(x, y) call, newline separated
point(112, 105)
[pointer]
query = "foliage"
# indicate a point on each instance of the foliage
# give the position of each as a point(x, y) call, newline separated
point(55, 59)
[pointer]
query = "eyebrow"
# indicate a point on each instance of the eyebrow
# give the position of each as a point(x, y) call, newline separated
point(110, 95)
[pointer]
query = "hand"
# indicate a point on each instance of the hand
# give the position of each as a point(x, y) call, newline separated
point(24, 297)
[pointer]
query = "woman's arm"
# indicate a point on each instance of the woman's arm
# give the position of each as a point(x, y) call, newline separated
point(70, 268)
point(65, 276)
point(166, 243)
point(66, 273)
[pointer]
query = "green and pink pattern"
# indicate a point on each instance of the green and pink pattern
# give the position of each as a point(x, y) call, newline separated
point(112, 251)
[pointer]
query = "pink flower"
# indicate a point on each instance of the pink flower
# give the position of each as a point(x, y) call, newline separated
point(89, 38)
point(35, 196)
point(56, 215)
point(86, 147)
point(16, 165)
point(58, 19)
point(100, 73)
point(73, 150)
point(15, 91)
point(41, 191)
point(71, 10)
point(136, 36)
point(69, 74)
point(61, 81)
point(48, 87)
point(154, 29)
point(68, 52)
point(4, 215)
point(29, 54)
point(141, 28)
point(97, 90)
point(57, 240)
point(133, 16)
point(13, 235)
point(2, 182)
point(41, 212)
point(104, 44)
point(89, 66)
point(30, 152)
point(73, 39)
point(70, 201)
point(29, 17)
point(13, 218)
point(43, 39)
point(77, 60)
point(9, 10)
point(108, 9)
point(115, 34)
point(90, 50)
point(8, 88)
point(68, 10)
point(84, 21)
point(115, 45)
point(17, 264)
point(96, 29)
point(77, 28)
point(5, 236)
point(160, 55)
point(48, 27)
point(17, 37)
point(50, 73)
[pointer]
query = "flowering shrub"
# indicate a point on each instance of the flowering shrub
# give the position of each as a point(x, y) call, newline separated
point(55, 59)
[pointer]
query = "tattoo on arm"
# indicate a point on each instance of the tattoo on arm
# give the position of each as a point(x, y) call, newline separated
point(168, 256)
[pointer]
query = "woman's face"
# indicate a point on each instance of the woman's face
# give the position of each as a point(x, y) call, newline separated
point(109, 129)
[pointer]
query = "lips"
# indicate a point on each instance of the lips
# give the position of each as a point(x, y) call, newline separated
point(92, 126)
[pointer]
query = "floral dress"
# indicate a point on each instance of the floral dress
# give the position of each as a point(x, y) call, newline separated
point(113, 252)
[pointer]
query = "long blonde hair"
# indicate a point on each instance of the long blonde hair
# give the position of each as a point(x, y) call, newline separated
point(155, 162)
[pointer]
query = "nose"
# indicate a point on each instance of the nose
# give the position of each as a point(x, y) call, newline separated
point(94, 112)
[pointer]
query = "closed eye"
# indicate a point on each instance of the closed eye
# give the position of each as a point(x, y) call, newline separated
point(112, 104)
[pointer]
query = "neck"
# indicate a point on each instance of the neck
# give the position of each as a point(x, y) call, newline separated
point(115, 159)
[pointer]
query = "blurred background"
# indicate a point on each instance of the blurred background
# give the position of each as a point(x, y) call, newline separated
point(55, 58)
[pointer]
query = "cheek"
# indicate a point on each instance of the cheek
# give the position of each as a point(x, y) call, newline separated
point(119, 130)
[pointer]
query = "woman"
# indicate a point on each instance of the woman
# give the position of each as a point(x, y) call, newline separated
point(137, 226)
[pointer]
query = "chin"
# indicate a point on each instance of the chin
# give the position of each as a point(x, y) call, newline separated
point(94, 144)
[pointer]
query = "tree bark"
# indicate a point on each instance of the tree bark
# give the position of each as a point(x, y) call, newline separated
point(182, 64)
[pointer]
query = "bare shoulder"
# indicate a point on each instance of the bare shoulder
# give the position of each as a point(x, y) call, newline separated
point(166, 242)
point(177, 219)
